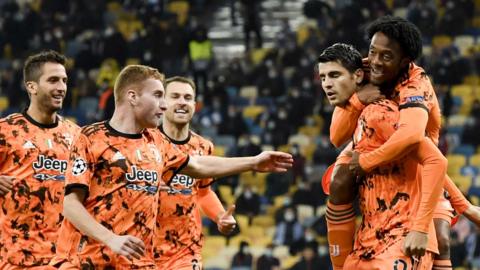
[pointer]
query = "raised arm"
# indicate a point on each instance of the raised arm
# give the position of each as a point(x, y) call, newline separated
point(431, 187)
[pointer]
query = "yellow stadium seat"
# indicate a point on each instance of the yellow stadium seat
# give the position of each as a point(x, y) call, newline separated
point(219, 150)
point(254, 232)
point(463, 182)
point(289, 262)
point(456, 160)
point(278, 201)
point(284, 148)
point(281, 252)
point(461, 90)
point(4, 103)
point(471, 80)
point(235, 241)
point(464, 43)
point(441, 41)
point(181, 8)
point(249, 92)
point(264, 221)
point(242, 221)
point(215, 241)
point(252, 111)
point(311, 131)
point(299, 139)
point(475, 160)
point(226, 194)
point(257, 55)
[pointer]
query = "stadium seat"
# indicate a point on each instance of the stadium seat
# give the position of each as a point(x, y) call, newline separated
point(300, 139)
point(305, 212)
point(464, 149)
point(234, 242)
point(463, 182)
point(461, 90)
point(252, 111)
point(226, 194)
point(281, 252)
point(181, 8)
point(289, 262)
point(249, 92)
point(475, 160)
point(464, 43)
point(4, 103)
point(311, 131)
point(257, 55)
point(471, 80)
point(455, 163)
point(219, 150)
point(242, 221)
point(215, 241)
point(441, 41)
point(264, 221)
point(457, 120)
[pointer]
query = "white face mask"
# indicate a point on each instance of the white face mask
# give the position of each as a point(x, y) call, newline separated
point(322, 250)
point(268, 252)
point(289, 216)
point(309, 237)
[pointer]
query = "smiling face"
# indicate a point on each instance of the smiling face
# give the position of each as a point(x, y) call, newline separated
point(386, 59)
point(50, 90)
point(180, 98)
point(338, 83)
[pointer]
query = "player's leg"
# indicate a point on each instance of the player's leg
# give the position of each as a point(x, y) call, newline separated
point(442, 219)
point(442, 261)
point(340, 214)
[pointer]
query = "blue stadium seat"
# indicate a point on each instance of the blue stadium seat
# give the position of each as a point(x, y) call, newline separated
point(465, 149)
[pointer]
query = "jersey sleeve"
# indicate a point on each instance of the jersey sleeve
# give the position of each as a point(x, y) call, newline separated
point(80, 165)
point(434, 167)
point(344, 121)
point(411, 128)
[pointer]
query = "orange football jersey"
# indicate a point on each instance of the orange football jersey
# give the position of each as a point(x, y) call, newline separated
point(37, 156)
point(390, 194)
point(121, 174)
point(179, 224)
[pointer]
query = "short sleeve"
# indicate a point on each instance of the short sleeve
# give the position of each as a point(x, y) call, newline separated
point(80, 165)
point(415, 93)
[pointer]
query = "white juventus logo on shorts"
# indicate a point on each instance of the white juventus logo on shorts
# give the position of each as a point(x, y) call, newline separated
point(334, 250)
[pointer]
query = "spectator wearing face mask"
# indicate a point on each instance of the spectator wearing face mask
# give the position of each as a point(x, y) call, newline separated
point(289, 230)
point(248, 203)
point(242, 260)
point(311, 260)
point(267, 261)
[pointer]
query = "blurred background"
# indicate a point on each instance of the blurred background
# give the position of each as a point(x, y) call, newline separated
point(253, 65)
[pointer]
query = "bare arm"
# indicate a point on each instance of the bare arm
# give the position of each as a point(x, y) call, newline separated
point(212, 166)
point(75, 212)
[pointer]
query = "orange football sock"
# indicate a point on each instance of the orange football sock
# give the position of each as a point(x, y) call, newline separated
point(341, 231)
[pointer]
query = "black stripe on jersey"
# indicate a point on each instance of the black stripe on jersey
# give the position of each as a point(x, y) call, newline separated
point(70, 187)
point(413, 105)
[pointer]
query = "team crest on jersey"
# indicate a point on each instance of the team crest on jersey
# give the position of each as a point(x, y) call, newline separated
point(79, 167)
point(68, 138)
point(155, 152)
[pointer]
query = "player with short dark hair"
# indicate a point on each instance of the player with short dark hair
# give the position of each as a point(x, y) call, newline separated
point(34, 152)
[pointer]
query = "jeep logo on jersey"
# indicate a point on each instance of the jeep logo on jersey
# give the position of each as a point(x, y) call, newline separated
point(47, 163)
point(183, 180)
point(141, 175)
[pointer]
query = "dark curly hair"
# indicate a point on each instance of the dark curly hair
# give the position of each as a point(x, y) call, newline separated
point(401, 30)
point(345, 54)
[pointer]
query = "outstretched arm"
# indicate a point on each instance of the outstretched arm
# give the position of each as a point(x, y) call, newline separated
point(213, 166)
